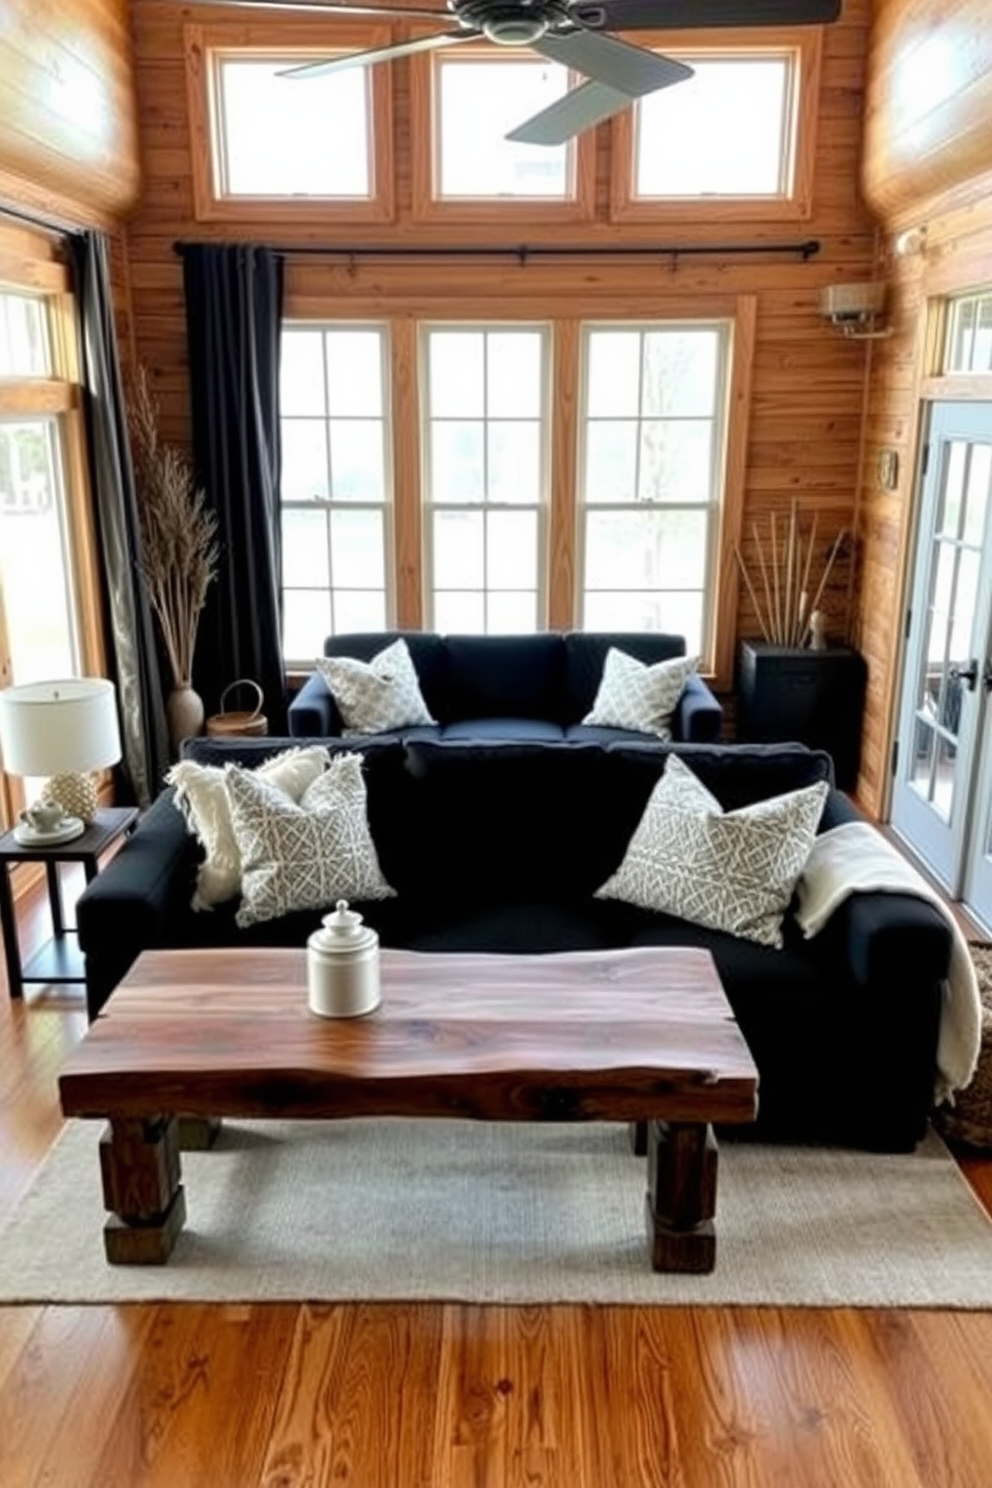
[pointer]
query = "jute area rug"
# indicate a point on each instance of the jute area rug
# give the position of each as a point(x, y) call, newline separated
point(435, 1210)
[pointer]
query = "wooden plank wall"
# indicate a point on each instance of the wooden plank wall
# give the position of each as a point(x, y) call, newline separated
point(809, 381)
point(68, 122)
point(927, 153)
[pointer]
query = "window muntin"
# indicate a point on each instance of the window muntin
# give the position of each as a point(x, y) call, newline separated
point(276, 136)
point(968, 346)
point(476, 103)
point(734, 121)
point(485, 440)
point(335, 489)
point(651, 473)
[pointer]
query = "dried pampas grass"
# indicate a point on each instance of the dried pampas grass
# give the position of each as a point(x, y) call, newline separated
point(178, 533)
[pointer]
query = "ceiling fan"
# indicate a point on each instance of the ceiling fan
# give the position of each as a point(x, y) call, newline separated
point(574, 33)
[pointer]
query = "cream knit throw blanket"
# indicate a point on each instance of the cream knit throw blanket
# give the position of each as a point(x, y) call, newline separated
point(856, 858)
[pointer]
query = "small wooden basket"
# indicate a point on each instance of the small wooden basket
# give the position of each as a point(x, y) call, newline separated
point(238, 724)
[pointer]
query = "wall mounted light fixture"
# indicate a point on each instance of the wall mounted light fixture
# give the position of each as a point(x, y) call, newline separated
point(856, 309)
point(910, 242)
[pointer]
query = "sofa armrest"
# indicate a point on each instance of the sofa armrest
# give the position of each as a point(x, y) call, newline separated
point(892, 952)
point(313, 713)
point(698, 716)
point(131, 903)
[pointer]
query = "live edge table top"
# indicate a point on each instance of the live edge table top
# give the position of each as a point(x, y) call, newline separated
point(628, 1035)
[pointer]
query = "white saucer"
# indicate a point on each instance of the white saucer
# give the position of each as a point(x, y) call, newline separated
point(67, 829)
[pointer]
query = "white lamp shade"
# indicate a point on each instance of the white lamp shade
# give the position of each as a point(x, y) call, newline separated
point(56, 728)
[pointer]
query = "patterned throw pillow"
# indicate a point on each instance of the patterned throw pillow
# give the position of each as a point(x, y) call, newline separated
point(306, 855)
point(376, 695)
point(735, 871)
point(634, 695)
point(202, 798)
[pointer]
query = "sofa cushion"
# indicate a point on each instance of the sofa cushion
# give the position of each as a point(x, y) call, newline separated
point(427, 652)
point(201, 795)
point(499, 822)
point(735, 871)
point(306, 854)
point(585, 654)
point(521, 730)
point(377, 695)
point(636, 695)
point(511, 676)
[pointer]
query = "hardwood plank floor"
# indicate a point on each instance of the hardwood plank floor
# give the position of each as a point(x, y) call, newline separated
point(382, 1396)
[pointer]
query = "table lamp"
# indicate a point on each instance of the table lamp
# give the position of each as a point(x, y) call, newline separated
point(64, 730)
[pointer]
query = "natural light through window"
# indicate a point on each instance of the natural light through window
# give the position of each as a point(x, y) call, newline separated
point(652, 461)
point(486, 436)
point(969, 340)
point(477, 104)
point(727, 131)
point(290, 137)
point(24, 348)
point(335, 483)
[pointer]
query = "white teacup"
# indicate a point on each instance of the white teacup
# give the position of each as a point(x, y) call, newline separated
point(43, 816)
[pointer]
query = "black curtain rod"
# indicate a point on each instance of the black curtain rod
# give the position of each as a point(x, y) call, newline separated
point(525, 251)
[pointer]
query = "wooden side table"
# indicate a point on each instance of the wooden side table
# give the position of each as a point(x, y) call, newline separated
point(59, 960)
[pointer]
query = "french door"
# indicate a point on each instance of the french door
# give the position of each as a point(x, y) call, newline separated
point(942, 799)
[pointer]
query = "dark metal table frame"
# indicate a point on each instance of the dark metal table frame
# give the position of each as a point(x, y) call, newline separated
point(59, 959)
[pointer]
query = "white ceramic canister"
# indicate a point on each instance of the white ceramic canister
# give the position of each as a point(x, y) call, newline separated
point(343, 966)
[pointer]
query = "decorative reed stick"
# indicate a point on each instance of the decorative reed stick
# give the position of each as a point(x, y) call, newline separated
point(784, 615)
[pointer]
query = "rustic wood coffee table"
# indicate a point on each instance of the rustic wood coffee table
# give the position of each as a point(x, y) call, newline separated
point(640, 1036)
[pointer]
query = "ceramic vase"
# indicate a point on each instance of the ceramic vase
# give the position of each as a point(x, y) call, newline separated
point(184, 712)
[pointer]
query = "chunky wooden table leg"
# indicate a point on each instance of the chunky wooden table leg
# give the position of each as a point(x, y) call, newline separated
point(681, 1197)
point(140, 1166)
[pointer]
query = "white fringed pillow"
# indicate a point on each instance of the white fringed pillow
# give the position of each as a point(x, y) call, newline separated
point(306, 854)
point(373, 696)
point(201, 796)
point(635, 695)
point(734, 871)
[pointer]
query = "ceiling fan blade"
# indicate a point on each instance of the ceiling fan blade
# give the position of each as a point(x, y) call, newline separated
point(580, 108)
point(692, 15)
point(603, 59)
point(345, 60)
point(314, 7)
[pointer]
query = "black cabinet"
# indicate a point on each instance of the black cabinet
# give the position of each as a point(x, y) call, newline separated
point(815, 697)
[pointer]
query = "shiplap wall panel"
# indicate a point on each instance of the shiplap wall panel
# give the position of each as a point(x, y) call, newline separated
point(68, 121)
point(808, 381)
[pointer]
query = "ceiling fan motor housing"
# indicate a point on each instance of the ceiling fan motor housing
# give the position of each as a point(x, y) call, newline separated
point(512, 22)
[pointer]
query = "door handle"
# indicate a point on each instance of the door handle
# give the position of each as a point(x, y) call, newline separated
point(987, 674)
point(968, 674)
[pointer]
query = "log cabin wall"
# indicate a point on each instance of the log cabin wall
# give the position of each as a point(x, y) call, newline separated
point(68, 123)
point(808, 381)
point(928, 148)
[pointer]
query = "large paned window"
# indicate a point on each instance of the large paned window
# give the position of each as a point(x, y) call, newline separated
point(485, 417)
point(651, 474)
point(34, 535)
point(49, 626)
point(336, 483)
point(477, 103)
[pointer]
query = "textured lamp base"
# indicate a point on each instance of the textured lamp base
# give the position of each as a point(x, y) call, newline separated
point(75, 793)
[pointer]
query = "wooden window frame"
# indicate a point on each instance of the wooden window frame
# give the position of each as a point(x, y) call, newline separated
point(542, 507)
point(405, 312)
point(426, 207)
point(805, 43)
point(57, 396)
point(202, 45)
point(387, 506)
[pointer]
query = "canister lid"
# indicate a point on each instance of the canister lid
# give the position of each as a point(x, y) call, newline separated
point(344, 932)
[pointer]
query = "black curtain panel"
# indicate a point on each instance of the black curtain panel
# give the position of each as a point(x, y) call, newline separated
point(133, 654)
point(233, 318)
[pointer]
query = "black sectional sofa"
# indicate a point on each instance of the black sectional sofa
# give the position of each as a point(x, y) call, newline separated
point(500, 847)
point(534, 687)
